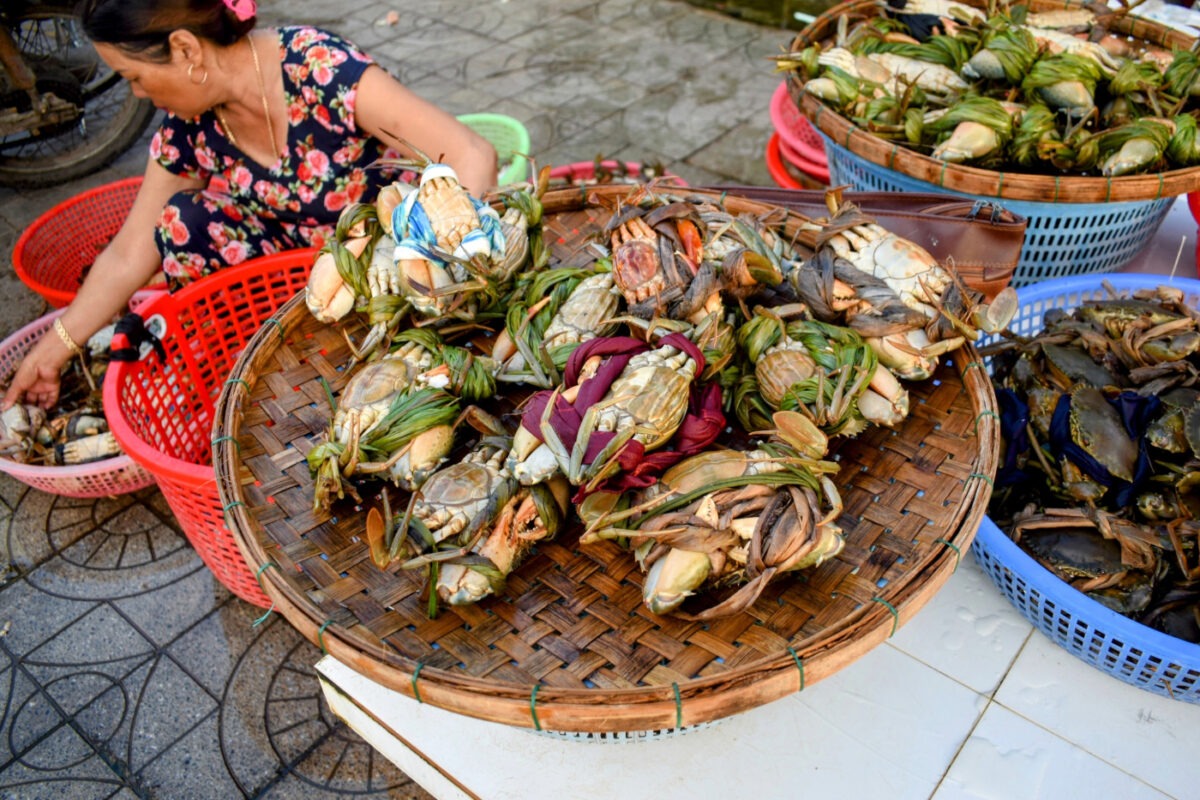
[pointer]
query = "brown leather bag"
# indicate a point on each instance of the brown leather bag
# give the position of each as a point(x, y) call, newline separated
point(978, 239)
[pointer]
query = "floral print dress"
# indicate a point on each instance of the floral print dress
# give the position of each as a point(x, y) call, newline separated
point(248, 209)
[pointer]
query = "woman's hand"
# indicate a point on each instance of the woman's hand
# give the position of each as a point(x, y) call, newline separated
point(123, 267)
point(37, 378)
point(386, 110)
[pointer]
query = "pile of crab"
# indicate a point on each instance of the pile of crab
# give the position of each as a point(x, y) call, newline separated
point(1007, 88)
point(671, 384)
point(74, 430)
point(1100, 475)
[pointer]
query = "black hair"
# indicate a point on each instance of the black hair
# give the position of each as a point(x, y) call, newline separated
point(142, 27)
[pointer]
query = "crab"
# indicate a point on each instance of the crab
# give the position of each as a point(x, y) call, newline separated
point(826, 372)
point(531, 515)
point(890, 69)
point(657, 261)
point(645, 402)
point(521, 355)
point(460, 500)
point(722, 517)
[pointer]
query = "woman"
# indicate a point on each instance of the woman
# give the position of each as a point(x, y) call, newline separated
point(268, 136)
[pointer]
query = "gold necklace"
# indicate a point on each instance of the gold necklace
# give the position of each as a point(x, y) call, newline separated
point(262, 92)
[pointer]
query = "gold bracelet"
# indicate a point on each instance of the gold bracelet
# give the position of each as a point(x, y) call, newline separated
point(61, 330)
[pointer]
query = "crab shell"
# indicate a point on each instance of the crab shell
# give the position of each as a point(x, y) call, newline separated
point(461, 498)
point(448, 206)
point(521, 523)
point(651, 393)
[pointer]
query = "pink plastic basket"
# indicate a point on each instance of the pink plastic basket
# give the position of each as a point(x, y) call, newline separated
point(110, 476)
point(795, 132)
point(161, 411)
point(817, 171)
point(585, 171)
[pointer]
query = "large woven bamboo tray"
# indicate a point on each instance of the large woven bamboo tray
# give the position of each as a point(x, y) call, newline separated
point(985, 182)
point(568, 646)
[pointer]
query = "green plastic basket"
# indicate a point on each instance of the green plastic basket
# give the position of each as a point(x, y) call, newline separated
point(509, 137)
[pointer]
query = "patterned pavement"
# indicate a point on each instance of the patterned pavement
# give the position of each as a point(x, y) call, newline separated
point(126, 669)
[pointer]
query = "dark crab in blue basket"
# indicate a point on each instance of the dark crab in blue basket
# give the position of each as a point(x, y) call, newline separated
point(1115, 562)
point(1099, 411)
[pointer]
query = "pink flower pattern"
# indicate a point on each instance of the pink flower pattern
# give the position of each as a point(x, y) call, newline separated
point(249, 209)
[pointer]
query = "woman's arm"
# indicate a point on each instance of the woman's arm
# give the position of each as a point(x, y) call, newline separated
point(386, 110)
point(123, 267)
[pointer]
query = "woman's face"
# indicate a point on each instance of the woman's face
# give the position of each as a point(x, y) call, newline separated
point(166, 84)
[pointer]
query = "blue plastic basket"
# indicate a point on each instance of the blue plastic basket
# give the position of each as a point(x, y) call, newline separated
point(1135, 653)
point(1061, 239)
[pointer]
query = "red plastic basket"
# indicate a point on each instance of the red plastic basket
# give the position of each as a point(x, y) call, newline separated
point(796, 132)
point(584, 171)
point(775, 166)
point(161, 411)
point(109, 476)
point(52, 253)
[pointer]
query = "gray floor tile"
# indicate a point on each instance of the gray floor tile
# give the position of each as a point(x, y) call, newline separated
point(61, 767)
point(101, 639)
point(211, 650)
point(256, 703)
point(35, 616)
point(191, 768)
point(360, 771)
point(739, 152)
point(170, 705)
point(112, 564)
point(28, 716)
point(190, 599)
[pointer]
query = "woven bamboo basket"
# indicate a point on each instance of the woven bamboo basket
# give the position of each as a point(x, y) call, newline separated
point(984, 182)
point(569, 647)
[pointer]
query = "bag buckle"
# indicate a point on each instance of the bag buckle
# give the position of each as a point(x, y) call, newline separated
point(134, 337)
point(995, 211)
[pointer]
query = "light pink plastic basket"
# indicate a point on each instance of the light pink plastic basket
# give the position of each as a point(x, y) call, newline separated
point(97, 479)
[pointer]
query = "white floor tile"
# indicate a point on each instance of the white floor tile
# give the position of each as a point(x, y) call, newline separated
point(1151, 737)
point(1010, 758)
point(968, 630)
point(886, 726)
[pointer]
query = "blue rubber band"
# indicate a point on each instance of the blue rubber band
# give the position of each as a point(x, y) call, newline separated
point(266, 615)
point(891, 608)
point(225, 511)
point(799, 666)
point(987, 412)
point(242, 381)
point(321, 635)
point(258, 577)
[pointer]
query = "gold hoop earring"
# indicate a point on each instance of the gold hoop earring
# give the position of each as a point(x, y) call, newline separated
point(202, 81)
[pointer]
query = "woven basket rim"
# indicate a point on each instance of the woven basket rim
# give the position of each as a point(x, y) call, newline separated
point(1011, 185)
point(807, 658)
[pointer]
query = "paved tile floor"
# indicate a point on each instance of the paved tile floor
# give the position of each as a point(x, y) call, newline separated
point(126, 670)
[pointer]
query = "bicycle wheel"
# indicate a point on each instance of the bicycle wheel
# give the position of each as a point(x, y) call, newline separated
point(54, 45)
